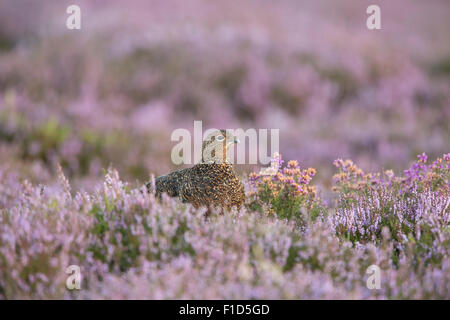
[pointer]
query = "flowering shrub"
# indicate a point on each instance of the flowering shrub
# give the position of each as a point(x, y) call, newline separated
point(414, 207)
point(129, 245)
point(286, 190)
point(435, 176)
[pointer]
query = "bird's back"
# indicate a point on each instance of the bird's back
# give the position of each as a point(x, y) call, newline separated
point(204, 185)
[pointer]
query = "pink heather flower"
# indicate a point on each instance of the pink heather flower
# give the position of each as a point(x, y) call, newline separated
point(422, 157)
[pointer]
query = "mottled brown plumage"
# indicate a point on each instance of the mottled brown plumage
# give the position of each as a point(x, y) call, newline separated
point(211, 183)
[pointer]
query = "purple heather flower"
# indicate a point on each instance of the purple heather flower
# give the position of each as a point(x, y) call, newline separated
point(422, 157)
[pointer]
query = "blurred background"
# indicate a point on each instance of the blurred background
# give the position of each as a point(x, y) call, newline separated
point(112, 92)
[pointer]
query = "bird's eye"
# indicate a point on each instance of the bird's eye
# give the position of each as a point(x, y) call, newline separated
point(220, 138)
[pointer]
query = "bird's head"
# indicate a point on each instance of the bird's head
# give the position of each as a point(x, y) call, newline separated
point(216, 145)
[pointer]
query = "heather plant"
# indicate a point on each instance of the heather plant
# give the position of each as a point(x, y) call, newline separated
point(414, 207)
point(422, 176)
point(286, 191)
point(130, 245)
